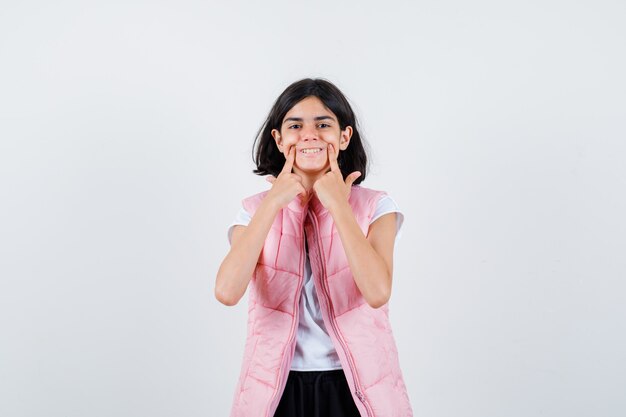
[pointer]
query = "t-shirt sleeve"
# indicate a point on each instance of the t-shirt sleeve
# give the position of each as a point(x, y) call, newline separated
point(386, 205)
point(242, 218)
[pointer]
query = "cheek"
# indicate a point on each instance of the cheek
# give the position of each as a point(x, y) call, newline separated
point(287, 143)
point(289, 139)
point(334, 142)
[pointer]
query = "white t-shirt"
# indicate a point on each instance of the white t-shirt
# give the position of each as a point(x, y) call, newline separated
point(314, 348)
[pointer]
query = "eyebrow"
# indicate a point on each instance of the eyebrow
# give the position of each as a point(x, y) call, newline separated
point(299, 119)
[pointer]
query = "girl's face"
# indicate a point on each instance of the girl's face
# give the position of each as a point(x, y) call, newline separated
point(311, 127)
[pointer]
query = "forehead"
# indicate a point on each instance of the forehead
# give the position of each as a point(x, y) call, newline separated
point(309, 108)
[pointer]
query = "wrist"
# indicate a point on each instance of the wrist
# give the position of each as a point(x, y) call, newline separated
point(339, 207)
point(270, 204)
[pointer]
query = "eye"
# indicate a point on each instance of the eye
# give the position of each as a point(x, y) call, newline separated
point(324, 124)
point(292, 126)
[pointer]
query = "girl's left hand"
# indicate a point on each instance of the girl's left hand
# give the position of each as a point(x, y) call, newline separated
point(331, 189)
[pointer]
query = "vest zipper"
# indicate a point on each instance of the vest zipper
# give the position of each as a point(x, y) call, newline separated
point(358, 392)
point(272, 408)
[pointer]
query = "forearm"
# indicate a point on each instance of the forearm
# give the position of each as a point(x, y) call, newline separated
point(368, 268)
point(238, 266)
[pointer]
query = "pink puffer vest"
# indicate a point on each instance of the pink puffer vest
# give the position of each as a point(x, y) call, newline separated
point(361, 334)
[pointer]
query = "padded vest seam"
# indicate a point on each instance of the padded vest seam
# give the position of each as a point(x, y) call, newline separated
point(337, 272)
point(347, 311)
point(277, 269)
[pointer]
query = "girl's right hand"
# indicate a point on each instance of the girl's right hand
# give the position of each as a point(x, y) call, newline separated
point(288, 185)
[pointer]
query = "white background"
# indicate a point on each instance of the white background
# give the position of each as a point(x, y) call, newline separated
point(126, 147)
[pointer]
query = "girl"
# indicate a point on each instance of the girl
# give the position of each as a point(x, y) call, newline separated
point(316, 252)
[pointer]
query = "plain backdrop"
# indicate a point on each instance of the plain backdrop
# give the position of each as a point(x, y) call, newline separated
point(126, 148)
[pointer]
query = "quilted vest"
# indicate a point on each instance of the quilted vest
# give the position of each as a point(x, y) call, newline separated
point(361, 334)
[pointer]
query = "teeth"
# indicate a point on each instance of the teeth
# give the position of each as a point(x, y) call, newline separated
point(311, 150)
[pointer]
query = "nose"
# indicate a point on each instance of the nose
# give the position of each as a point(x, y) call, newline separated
point(309, 132)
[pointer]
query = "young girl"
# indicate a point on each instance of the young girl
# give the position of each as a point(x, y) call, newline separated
point(316, 251)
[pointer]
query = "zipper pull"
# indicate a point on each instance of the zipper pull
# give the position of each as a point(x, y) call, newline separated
point(360, 396)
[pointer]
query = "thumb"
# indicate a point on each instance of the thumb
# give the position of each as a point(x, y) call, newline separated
point(352, 177)
point(270, 178)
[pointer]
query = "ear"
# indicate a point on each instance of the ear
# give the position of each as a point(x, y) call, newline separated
point(344, 140)
point(278, 139)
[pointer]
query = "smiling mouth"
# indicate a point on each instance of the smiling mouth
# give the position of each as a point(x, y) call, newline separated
point(311, 150)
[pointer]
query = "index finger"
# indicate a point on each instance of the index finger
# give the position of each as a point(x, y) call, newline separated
point(289, 160)
point(332, 158)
